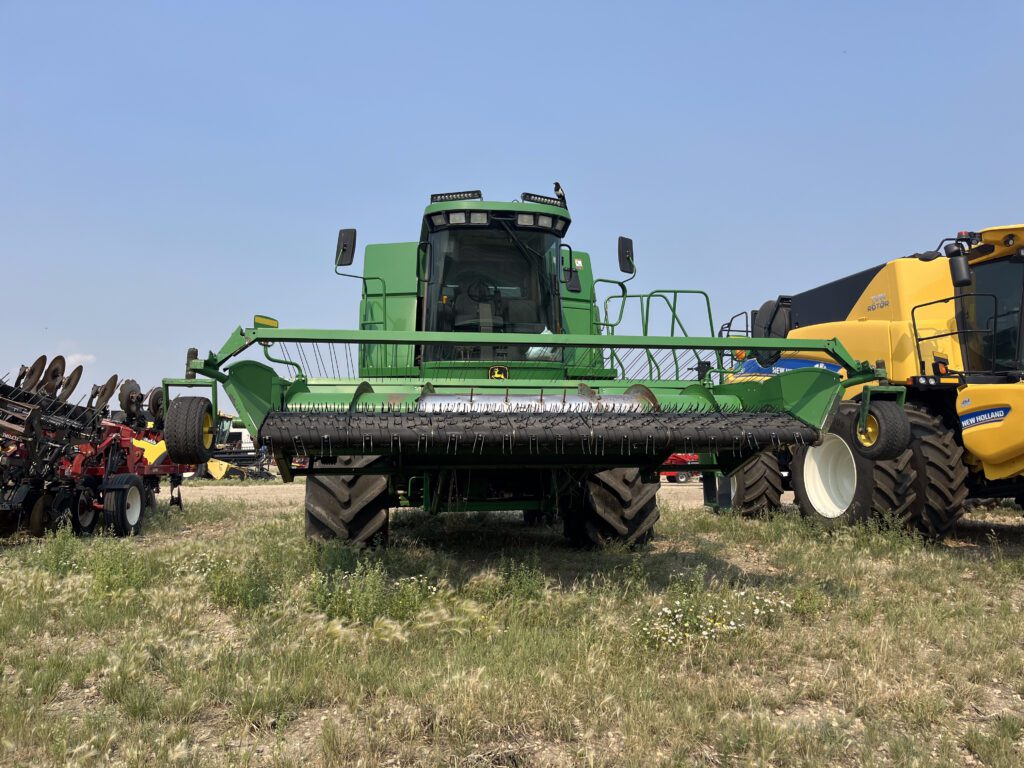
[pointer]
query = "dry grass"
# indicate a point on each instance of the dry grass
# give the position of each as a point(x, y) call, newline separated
point(221, 638)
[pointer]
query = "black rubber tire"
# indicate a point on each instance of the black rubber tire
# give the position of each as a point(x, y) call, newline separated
point(352, 508)
point(185, 430)
point(883, 489)
point(757, 485)
point(893, 431)
point(618, 507)
point(852, 505)
point(84, 517)
point(895, 489)
point(124, 504)
point(771, 322)
point(941, 482)
point(672, 478)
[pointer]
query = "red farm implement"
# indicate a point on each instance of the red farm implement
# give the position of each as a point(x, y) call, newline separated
point(80, 464)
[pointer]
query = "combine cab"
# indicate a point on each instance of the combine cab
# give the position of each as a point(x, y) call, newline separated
point(484, 377)
point(80, 464)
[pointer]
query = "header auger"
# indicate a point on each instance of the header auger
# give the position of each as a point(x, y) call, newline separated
point(484, 376)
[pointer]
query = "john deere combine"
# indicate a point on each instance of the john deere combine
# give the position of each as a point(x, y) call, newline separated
point(484, 377)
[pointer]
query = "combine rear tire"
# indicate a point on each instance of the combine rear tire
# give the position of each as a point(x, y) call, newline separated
point(189, 429)
point(757, 485)
point(941, 481)
point(353, 508)
point(619, 506)
point(124, 501)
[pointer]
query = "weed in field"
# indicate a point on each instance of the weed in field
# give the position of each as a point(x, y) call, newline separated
point(368, 594)
point(59, 553)
point(692, 612)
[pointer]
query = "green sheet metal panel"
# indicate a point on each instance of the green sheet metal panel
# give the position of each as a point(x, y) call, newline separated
point(390, 291)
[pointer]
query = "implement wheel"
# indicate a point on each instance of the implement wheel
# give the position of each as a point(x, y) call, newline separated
point(189, 430)
point(757, 485)
point(618, 506)
point(352, 508)
point(886, 433)
point(124, 501)
point(84, 515)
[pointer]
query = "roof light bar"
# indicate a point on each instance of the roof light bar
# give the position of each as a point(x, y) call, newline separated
point(447, 197)
point(529, 197)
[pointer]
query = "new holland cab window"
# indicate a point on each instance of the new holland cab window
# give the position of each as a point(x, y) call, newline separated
point(492, 280)
point(993, 316)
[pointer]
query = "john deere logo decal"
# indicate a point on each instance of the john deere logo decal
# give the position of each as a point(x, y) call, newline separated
point(498, 372)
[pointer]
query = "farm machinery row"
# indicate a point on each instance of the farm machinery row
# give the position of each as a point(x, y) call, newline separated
point(80, 464)
point(484, 376)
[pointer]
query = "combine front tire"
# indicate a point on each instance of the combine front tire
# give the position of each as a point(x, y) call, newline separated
point(619, 506)
point(941, 481)
point(124, 500)
point(353, 508)
point(836, 485)
point(757, 485)
point(189, 429)
point(832, 481)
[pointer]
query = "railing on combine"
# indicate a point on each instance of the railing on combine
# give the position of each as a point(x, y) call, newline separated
point(960, 333)
point(661, 364)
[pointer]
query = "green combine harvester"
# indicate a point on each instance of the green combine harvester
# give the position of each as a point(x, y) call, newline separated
point(484, 376)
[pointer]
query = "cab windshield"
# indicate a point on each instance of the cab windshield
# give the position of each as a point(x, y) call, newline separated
point(495, 279)
point(992, 316)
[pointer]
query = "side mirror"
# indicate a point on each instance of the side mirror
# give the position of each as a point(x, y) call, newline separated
point(346, 252)
point(960, 271)
point(626, 264)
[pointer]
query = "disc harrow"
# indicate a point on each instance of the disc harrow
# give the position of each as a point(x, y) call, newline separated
point(60, 462)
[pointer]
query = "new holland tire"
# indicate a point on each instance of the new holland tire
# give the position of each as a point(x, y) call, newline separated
point(757, 485)
point(124, 502)
point(619, 506)
point(941, 483)
point(352, 508)
point(189, 429)
point(836, 486)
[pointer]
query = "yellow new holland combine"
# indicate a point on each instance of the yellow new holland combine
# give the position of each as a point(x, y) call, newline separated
point(946, 324)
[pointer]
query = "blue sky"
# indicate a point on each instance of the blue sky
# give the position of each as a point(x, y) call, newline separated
point(168, 169)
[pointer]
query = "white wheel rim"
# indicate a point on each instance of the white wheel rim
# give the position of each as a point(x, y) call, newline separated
point(734, 486)
point(86, 513)
point(132, 506)
point(830, 477)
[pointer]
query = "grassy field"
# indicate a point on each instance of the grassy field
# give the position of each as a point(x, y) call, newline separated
point(221, 638)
